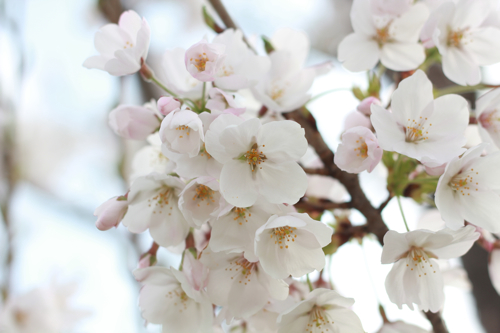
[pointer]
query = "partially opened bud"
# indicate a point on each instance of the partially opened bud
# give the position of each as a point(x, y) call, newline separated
point(133, 122)
point(167, 104)
point(110, 213)
point(364, 106)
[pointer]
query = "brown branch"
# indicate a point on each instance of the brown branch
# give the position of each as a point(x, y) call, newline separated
point(316, 171)
point(320, 205)
point(437, 322)
point(385, 203)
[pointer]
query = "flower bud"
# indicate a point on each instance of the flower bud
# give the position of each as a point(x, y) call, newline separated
point(133, 122)
point(110, 213)
point(204, 59)
point(365, 105)
point(167, 104)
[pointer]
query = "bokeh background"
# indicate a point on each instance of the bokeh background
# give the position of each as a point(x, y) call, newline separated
point(60, 160)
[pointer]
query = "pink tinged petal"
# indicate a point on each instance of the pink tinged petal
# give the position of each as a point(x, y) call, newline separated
point(460, 67)
point(365, 106)
point(411, 98)
point(395, 246)
point(133, 122)
point(167, 104)
point(280, 183)
point(355, 118)
point(482, 209)
point(358, 52)
point(130, 22)
point(388, 131)
point(237, 185)
point(494, 269)
point(282, 141)
point(484, 46)
point(110, 213)
point(463, 239)
point(401, 56)
point(406, 28)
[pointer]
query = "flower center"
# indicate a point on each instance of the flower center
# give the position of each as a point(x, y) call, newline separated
point(240, 215)
point(242, 270)
point(204, 193)
point(161, 200)
point(418, 261)
point(382, 35)
point(362, 149)
point(225, 71)
point(200, 62)
point(254, 157)
point(490, 120)
point(319, 321)
point(415, 131)
point(282, 235)
point(463, 182)
point(179, 297)
point(184, 130)
point(276, 93)
point(204, 152)
point(455, 38)
point(128, 45)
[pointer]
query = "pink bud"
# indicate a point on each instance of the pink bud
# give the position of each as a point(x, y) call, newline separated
point(167, 104)
point(110, 213)
point(133, 122)
point(147, 260)
point(203, 60)
point(365, 105)
point(355, 119)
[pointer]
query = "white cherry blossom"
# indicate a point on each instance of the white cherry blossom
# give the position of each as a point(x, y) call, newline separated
point(123, 47)
point(258, 159)
point(358, 151)
point(153, 205)
point(415, 277)
point(463, 40)
point(240, 285)
point(201, 202)
point(182, 132)
point(150, 159)
point(323, 310)
point(488, 116)
point(292, 244)
point(176, 77)
point(384, 32)
point(175, 299)
point(420, 126)
point(469, 190)
point(110, 213)
point(203, 60)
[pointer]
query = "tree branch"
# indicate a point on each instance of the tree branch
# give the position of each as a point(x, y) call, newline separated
point(320, 205)
point(316, 171)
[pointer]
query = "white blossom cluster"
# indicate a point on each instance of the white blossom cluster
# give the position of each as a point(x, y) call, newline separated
point(226, 179)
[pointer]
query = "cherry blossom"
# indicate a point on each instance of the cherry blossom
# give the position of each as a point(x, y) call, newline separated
point(464, 42)
point(110, 213)
point(258, 159)
point(203, 60)
point(182, 132)
point(415, 277)
point(241, 67)
point(168, 104)
point(176, 77)
point(323, 310)
point(292, 244)
point(488, 116)
point(153, 205)
point(134, 122)
point(122, 47)
point(420, 126)
point(175, 299)
point(150, 159)
point(285, 87)
point(384, 32)
point(240, 285)
point(358, 151)
point(355, 119)
point(468, 190)
point(200, 201)
point(365, 106)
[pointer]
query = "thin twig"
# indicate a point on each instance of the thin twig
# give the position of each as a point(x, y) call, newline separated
point(321, 205)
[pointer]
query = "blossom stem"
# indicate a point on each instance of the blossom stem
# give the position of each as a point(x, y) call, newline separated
point(159, 84)
point(402, 213)
point(311, 288)
point(461, 89)
point(326, 93)
point(203, 100)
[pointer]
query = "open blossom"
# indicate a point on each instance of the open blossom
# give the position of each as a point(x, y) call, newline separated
point(200, 201)
point(134, 122)
point(110, 213)
point(488, 116)
point(176, 77)
point(323, 310)
point(241, 67)
point(182, 132)
point(358, 151)
point(243, 286)
point(122, 47)
point(385, 32)
point(175, 299)
point(153, 205)
point(469, 190)
point(415, 277)
point(258, 159)
point(292, 244)
point(463, 39)
point(203, 60)
point(150, 159)
point(420, 126)
point(285, 87)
